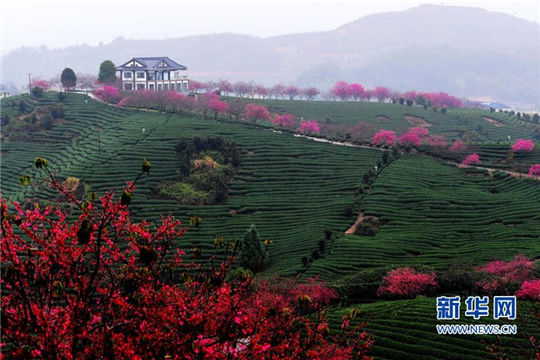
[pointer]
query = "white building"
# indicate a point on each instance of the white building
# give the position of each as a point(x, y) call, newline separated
point(153, 73)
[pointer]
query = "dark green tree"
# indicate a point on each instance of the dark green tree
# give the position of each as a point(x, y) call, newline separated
point(68, 78)
point(420, 100)
point(251, 250)
point(107, 72)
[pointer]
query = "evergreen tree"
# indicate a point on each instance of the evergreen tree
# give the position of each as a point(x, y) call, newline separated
point(68, 78)
point(107, 72)
point(251, 250)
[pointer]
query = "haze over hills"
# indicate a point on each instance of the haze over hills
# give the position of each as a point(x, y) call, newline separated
point(461, 50)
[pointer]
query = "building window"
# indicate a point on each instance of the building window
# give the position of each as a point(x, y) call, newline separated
point(160, 75)
point(159, 87)
point(127, 74)
point(165, 86)
point(166, 75)
point(140, 74)
point(178, 87)
point(128, 87)
point(151, 76)
point(140, 87)
point(150, 86)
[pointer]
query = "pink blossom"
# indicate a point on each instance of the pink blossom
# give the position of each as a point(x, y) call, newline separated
point(341, 90)
point(384, 137)
point(458, 146)
point(419, 131)
point(381, 93)
point(356, 91)
point(257, 112)
point(534, 170)
point(406, 282)
point(436, 141)
point(310, 126)
point(529, 290)
point(410, 139)
point(284, 120)
point(471, 159)
point(523, 145)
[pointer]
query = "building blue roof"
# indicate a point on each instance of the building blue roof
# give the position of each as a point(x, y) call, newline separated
point(151, 63)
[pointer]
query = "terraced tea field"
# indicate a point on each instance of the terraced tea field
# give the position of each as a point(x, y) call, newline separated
point(432, 214)
point(455, 123)
point(437, 215)
point(405, 329)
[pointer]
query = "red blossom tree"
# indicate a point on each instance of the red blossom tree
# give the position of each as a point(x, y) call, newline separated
point(409, 95)
point(292, 92)
point(341, 90)
point(504, 274)
point(530, 289)
point(108, 93)
point(284, 120)
point(534, 170)
point(384, 137)
point(356, 91)
point(458, 146)
point(277, 91)
point(406, 282)
point(309, 127)
point(102, 286)
point(225, 87)
point(195, 86)
point(419, 131)
point(215, 105)
point(411, 139)
point(310, 93)
point(471, 159)
point(522, 145)
point(381, 93)
point(256, 112)
point(261, 91)
point(436, 141)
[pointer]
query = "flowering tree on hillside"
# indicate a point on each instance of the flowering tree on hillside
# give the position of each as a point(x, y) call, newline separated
point(356, 91)
point(103, 286)
point(409, 95)
point(419, 131)
point(341, 90)
point(504, 275)
point(277, 91)
point(381, 93)
point(284, 120)
point(411, 139)
point(534, 170)
point(471, 159)
point(309, 127)
point(257, 112)
point(436, 141)
point(108, 93)
point(522, 145)
point(458, 146)
point(530, 289)
point(384, 137)
point(195, 86)
point(242, 88)
point(225, 87)
point(215, 105)
point(406, 282)
point(310, 93)
point(292, 92)
point(261, 91)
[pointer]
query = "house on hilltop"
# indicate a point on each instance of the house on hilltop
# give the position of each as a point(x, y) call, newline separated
point(153, 73)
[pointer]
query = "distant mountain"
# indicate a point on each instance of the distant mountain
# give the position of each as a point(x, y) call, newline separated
point(465, 51)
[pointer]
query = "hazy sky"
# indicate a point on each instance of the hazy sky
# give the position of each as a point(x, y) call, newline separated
point(56, 23)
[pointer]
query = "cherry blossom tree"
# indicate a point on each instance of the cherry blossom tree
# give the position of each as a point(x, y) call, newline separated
point(356, 91)
point(277, 91)
point(503, 275)
point(256, 112)
point(436, 141)
point(94, 284)
point(108, 93)
point(419, 131)
point(530, 289)
point(225, 87)
point(195, 86)
point(310, 93)
point(341, 90)
point(471, 159)
point(242, 88)
point(384, 137)
point(409, 95)
point(309, 127)
point(361, 131)
point(261, 91)
point(534, 170)
point(215, 105)
point(284, 120)
point(522, 145)
point(458, 146)
point(411, 139)
point(292, 92)
point(406, 282)
point(381, 93)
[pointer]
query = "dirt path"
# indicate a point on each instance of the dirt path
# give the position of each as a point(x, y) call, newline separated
point(352, 229)
point(493, 121)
